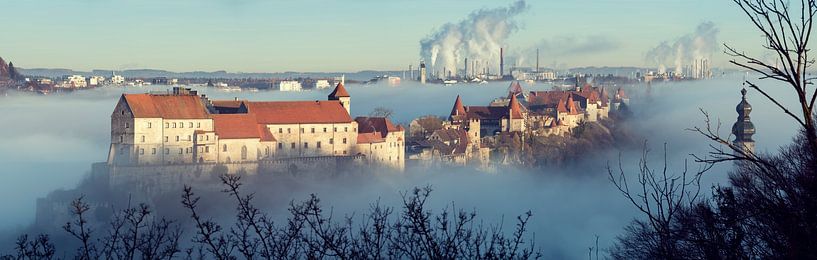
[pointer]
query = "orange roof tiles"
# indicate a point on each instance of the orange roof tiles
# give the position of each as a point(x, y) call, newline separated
point(458, 108)
point(299, 112)
point(166, 106)
point(516, 111)
point(339, 91)
point(235, 126)
point(368, 138)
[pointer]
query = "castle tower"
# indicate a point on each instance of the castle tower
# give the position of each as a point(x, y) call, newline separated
point(457, 112)
point(516, 117)
point(743, 129)
point(341, 95)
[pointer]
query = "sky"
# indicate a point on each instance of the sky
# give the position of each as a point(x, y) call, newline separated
point(333, 35)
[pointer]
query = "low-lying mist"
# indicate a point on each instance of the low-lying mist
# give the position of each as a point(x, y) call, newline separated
point(51, 141)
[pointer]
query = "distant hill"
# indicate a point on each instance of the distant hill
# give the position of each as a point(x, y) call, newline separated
point(4, 69)
point(153, 73)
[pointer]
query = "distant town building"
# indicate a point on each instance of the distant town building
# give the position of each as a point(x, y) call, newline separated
point(322, 84)
point(182, 127)
point(96, 80)
point(75, 81)
point(743, 129)
point(117, 79)
point(289, 85)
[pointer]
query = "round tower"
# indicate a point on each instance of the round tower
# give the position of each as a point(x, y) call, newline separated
point(743, 129)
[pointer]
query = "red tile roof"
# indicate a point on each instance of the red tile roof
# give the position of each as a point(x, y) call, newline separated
point(516, 110)
point(166, 106)
point(380, 125)
point(368, 138)
point(295, 112)
point(236, 126)
point(515, 88)
point(339, 91)
point(458, 108)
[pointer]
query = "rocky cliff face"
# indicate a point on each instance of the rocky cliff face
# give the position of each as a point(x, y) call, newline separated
point(4, 69)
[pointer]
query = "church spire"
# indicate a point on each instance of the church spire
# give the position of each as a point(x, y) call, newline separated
point(743, 129)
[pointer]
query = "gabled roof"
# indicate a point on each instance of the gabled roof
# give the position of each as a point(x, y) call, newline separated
point(458, 109)
point(380, 125)
point(339, 91)
point(515, 88)
point(369, 138)
point(294, 112)
point(515, 108)
point(236, 126)
point(571, 106)
point(166, 106)
point(494, 113)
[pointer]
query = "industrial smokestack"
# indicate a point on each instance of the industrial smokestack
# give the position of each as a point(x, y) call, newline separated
point(501, 62)
point(537, 60)
point(466, 68)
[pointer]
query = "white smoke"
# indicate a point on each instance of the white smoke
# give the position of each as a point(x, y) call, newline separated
point(685, 50)
point(478, 38)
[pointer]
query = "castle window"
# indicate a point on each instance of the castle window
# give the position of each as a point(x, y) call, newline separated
point(302, 130)
point(346, 129)
point(336, 129)
point(313, 130)
point(198, 125)
point(174, 125)
point(167, 125)
point(165, 138)
point(189, 138)
point(143, 138)
point(206, 149)
point(289, 131)
point(243, 152)
point(280, 146)
point(306, 145)
point(181, 125)
point(177, 138)
point(141, 151)
point(123, 112)
point(319, 144)
point(280, 130)
point(181, 150)
point(121, 139)
point(150, 124)
point(293, 145)
point(344, 151)
point(331, 140)
point(344, 140)
point(152, 150)
point(207, 137)
point(191, 124)
point(324, 129)
point(224, 148)
point(266, 151)
point(127, 125)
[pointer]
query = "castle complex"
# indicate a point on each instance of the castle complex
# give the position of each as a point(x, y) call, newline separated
point(182, 127)
point(535, 113)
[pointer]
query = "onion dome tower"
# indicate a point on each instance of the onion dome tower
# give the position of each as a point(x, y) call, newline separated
point(743, 129)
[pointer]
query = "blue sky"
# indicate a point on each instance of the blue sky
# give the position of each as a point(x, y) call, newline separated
point(330, 35)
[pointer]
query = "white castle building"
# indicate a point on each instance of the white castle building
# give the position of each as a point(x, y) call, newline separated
point(182, 127)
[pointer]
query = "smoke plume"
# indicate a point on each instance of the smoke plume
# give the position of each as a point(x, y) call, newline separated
point(700, 44)
point(478, 37)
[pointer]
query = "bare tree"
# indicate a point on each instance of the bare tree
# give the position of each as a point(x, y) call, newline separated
point(786, 30)
point(381, 112)
point(661, 197)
